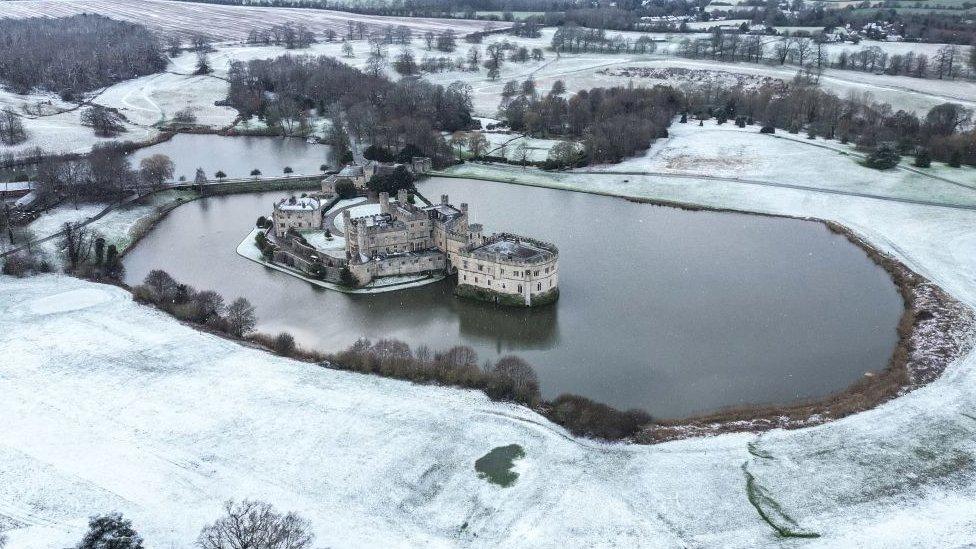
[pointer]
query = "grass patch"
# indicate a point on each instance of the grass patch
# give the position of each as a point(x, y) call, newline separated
point(496, 465)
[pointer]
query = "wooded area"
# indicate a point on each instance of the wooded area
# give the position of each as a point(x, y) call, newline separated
point(390, 114)
point(75, 54)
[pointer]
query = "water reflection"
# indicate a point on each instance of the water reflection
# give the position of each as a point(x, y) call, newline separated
point(669, 310)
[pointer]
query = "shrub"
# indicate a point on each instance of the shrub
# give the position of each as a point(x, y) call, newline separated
point(767, 129)
point(345, 189)
point(582, 416)
point(923, 158)
point(379, 154)
point(955, 159)
point(883, 157)
point(284, 344)
point(19, 264)
point(513, 378)
point(110, 532)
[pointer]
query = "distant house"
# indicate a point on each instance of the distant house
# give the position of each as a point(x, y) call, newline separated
point(15, 189)
point(359, 176)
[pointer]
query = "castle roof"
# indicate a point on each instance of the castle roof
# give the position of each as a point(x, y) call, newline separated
point(351, 171)
point(509, 247)
point(305, 203)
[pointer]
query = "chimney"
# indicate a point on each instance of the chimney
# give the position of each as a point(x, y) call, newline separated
point(443, 199)
point(464, 208)
point(385, 202)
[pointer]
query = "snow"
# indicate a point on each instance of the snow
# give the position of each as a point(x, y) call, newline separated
point(223, 22)
point(356, 211)
point(156, 98)
point(506, 144)
point(111, 406)
point(64, 133)
point(73, 300)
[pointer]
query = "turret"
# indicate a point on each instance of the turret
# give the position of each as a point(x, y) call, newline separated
point(385, 202)
point(402, 196)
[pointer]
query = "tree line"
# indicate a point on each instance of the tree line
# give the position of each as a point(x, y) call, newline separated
point(944, 133)
point(949, 61)
point(393, 114)
point(612, 123)
point(75, 54)
point(574, 39)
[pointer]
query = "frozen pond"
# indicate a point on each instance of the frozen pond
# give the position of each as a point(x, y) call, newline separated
point(237, 156)
point(673, 311)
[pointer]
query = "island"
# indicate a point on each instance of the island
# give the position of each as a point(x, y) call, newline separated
point(375, 242)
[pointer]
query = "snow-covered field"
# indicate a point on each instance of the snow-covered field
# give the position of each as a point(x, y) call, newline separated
point(223, 22)
point(112, 406)
point(727, 151)
point(156, 98)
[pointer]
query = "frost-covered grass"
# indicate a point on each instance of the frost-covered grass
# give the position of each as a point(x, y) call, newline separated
point(728, 151)
point(223, 22)
point(156, 98)
point(113, 406)
point(64, 133)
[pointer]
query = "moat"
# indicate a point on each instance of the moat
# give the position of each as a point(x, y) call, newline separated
point(673, 311)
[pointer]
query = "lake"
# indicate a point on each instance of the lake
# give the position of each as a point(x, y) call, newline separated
point(674, 311)
point(237, 156)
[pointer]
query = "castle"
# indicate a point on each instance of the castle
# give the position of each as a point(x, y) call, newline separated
point(407, 240)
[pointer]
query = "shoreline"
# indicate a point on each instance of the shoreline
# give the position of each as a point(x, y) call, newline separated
point(247, 245)
point(923, 301)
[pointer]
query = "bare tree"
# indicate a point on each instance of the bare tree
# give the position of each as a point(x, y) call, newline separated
point(12, 129)
point(155, 170)
point(76, 244)
point(240, 317)
point(523, 379)
point(478, 144)
point(256, 525)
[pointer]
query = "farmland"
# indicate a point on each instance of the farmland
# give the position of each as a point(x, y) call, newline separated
point(217, 21)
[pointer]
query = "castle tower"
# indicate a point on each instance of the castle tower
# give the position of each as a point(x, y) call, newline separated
point(462, 226)
point(352, 241)
point(402, 196)
point(385, 202)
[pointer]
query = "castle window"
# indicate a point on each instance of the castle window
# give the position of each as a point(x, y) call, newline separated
point(489, 282)
point(520, 288)
point(481, 267)
point(539, 286)
point(537, 273)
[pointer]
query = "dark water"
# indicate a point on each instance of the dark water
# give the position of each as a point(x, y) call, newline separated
point(237, 156)
point(673, 311)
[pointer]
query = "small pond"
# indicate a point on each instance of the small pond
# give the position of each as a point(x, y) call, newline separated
point(237, 156)
point(669, 310)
